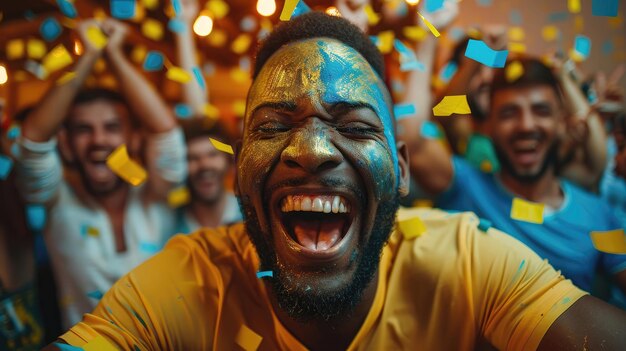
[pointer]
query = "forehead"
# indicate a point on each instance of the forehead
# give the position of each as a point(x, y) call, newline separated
point(531, 94)
point(320, 68)
point(99, 111)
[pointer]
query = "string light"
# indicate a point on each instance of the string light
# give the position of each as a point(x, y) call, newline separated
point(203, 25)
point(412, 2)
point(3, 75)
point(78, 48)
point(266, 7)
point(333, 11)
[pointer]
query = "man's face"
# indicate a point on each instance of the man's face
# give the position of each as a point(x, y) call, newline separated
point(94, 131)
point(479, 84)
point(208, 168)
point(319, 175)
point(524, 125)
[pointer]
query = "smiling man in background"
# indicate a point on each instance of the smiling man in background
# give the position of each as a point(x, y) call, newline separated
point(319, 178)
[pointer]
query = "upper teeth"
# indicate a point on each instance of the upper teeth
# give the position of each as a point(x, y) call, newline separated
point(322, 203)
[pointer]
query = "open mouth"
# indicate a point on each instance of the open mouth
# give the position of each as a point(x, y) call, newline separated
point(317, 223)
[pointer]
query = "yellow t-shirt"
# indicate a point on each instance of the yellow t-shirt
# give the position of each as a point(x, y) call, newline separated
point(452, 288)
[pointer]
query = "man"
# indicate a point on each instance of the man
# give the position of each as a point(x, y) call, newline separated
point(526, 124)
point(319, 177)
point(99, 227)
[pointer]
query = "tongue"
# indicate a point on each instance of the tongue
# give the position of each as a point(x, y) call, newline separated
point(318, 235)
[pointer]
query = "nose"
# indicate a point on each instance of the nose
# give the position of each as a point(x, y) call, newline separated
point(526, 121)
point(99, 136)
point(311, 148)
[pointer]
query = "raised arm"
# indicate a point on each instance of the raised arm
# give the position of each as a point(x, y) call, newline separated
point(44, 121)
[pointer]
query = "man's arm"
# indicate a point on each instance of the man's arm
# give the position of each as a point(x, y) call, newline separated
point(589, 324)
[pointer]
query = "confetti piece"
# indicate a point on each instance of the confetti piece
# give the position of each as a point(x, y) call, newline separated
point(35, 49)
point(125, 168)
point(152, 29)
point(14, 132)
point(549, 33)
point(513, 71)
point(150, 4)
point(177, 26)
point(412, 228)
point(372, 17)
point(96, 294)
point(178, 74)
point(6, 164)
point(606, 8)
point(433, 5)
point(527, 211)
point(405, 52)
point(430, 26)
point(448, 71)
point(481, 153)
point(558, 16)
point(67, 8)
point(123, 9)
point(197, 73)
point(239, 108)
point(99, 343)
point(385, 41)
point(248, 339)
point(138, 55)
point(582, 46)
point(484, 224)
point(218, 8)
point(293, 8)
point(425, 203)
point(66, 347)
point(612, 241)
point(478, 51)
point(456, 104)
point(608, 47)
point(412, 65)
point(96, 37)
point(50, 29)
point(88, 230)
point(430, 130)
point(248, 24)
point(239, 75)
point(153, 62)
point(15, 150)
point(211, 111)
point(515, 17)
point(182, 111)
point(57, 59)
point(221, 146)
point(35, 217)
point(519, 48)
point(36, 69)
point(15, 49)
point(573, 6)
point(516, 33)
point(177, 6)
point(66, 77)
point(264, 274)
point(150, 248)
point(415, 33)
point(178, 197)
point(241, 44)
point(403, 110)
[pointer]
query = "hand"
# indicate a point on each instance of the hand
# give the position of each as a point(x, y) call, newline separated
point(116, 32)
point(441, 18)
point(608, 88)
point(354, 11)
point(190, 10)
point(495, 36)
point(82, 28)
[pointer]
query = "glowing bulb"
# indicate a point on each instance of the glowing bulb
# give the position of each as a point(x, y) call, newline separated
point(78, 48)
point(3, 75)
point(203, 25)
point(333, 11)
point(412, 2)
point(266, 7)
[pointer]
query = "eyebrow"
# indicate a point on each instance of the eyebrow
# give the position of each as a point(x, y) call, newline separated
point(346, 106)
point(288, 106)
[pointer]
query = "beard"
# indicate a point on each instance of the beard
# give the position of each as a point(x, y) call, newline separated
point(207, 199)
point(296, 297)
point(550, 162)
point(95, 190)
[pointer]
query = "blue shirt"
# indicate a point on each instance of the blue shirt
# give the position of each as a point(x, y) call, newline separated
point(612, 186)
point(563, 238)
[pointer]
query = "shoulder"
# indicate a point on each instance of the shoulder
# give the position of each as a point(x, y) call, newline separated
point(589, 203)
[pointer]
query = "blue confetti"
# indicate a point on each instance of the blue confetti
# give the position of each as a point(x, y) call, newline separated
point(199, 78)
point(403, 110)
point(177, 26)
point(264, 274)
point(244, 63)
point(67, 8)
point(96, 294)
point(433, 5)
point(123, 9)
point(248, 24)
point(558, 16)
point(604, 8)
point(182, 111)
point(50, 29)
point(484, 224)
point(448, 71)
point(150, 248)
point(14, 132)
point(16, 151)
point(66, 347)
point(6, 164)
point(582, 45)
point(457, 33)
point(608, 47)
point(35, 217)
point(178, 8)
point(397, 86)
point(515, 16)
point(412, 65)
point(478, 51)
point(153, 61)
point(430, 130)
point(301, 9)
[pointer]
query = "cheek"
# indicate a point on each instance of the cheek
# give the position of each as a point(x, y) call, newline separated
point(255, 163)
point(375, 164)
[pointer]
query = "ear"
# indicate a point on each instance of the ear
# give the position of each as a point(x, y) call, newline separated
point(403, 167)
point(64, 146)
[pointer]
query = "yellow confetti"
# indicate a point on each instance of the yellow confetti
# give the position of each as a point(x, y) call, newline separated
point(519, 48)
point(573, 6)
point(239, 108)
point(150, 4)
point(127, 169)
point(241, 44)
point(91, 231)
point(96, 37)
point(452, 104)
point(372, 17)
point(152, 29)
point(612, 241)
point(385, 41)
point(178, 74)
point(66, 77)
point(423, 203)
point(486, 167)
point(430, 26)
point(35, 48)
point(15, 49)
point(100, 14)
point(221, 146)
point(527, 211)
point(415, 33)
point(549, 33)
point(138, 54)
point(239, 75)
point(513, 71)
point(220, 9)
point(178, 197)
point(99, 343)
point(516, 34)
point(211, 111)
point(58, 58)
point(248, 339)
point(579, 24)
point(217, 38)
point(412, 228)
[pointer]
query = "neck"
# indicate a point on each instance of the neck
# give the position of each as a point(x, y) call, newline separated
point(114, 201)
point(546, 189)
point(329, 335)
point(209, 214)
